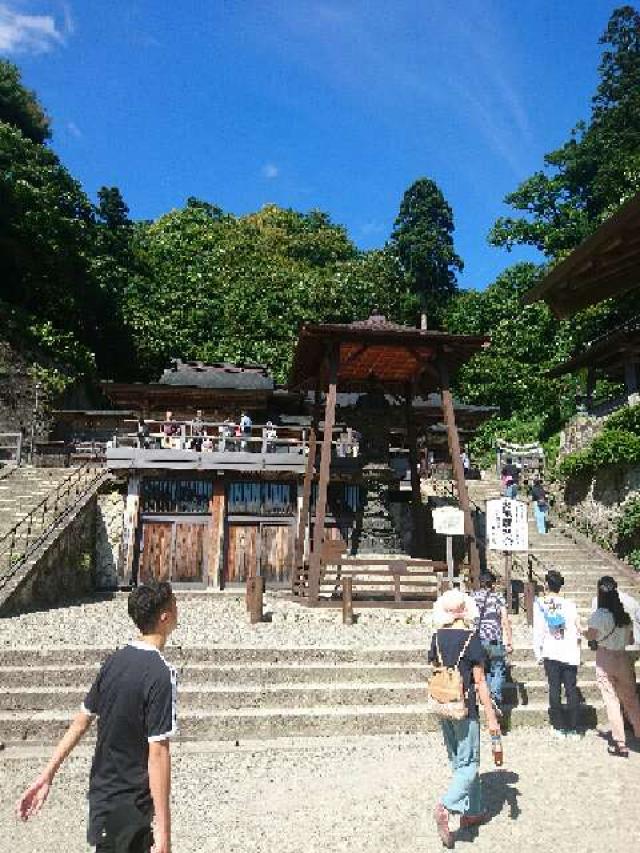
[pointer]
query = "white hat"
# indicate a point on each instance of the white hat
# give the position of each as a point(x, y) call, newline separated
point(452, 605)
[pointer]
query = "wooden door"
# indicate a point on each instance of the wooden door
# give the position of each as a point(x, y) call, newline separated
point(242, 552)
point(155, 562)
point(276, 553)
point(189, 552)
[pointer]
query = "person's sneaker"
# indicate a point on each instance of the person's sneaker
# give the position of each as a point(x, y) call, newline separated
point(572, 734)
point(473, 819)
point(560, 734)
point(441, 817)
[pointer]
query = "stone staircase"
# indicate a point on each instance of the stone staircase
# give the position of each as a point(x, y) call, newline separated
point(22, 489)
point(253, 693)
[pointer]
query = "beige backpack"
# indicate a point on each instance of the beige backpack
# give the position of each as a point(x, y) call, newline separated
point(446, 696)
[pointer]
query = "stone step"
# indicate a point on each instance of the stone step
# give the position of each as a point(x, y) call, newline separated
point(16, 678)
point(24, 727)
point(242, 696)
point(230, 655)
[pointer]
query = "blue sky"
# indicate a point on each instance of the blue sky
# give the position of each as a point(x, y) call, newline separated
point(331, 104)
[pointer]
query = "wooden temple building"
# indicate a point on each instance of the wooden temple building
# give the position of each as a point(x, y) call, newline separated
point(606, 264)
point(329, 468)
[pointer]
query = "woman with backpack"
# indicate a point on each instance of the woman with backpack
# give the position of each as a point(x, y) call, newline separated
point(609, 632)
point(540, 505)
point(458, 659)
point(556, 644)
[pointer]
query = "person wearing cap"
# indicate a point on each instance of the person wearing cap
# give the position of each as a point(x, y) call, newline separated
point(494, 628)
point(133, 698)
point(454, 617)
point(556, 645)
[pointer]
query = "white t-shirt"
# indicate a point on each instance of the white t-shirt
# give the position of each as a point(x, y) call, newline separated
point(562, 644)
point(612, 637)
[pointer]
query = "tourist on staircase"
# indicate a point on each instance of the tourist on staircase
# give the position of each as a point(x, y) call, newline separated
point(540, 505)
point(556, 644)
point(494, 628)
point(455, 645)
point(610, 632)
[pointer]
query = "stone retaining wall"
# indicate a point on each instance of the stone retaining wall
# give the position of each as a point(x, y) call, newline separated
point(595, 504)
point(108, 531)
point(62, 570)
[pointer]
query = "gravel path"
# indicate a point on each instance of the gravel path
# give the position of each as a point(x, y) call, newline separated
point(368, 795)
point(209, 620)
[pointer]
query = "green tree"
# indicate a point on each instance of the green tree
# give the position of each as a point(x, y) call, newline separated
point(593, 173)
point(19, 107)
point(423, 241)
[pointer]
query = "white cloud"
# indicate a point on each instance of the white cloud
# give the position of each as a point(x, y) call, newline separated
point(74, 130)
point(372, 229)
point(32, 33)
point(270, 171)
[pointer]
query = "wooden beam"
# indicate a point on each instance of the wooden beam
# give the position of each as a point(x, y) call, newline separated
point(315, 563)
point(458, 471)
point(130, 531)
point(303, 521)
point(216, 561)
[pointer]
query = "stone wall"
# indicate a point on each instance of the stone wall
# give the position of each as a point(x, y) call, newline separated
point(594, 504)
point(579, 432)
point(63, 570)
point(108, 531)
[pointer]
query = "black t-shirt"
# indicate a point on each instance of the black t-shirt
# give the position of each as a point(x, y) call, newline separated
point(538, 493)
point(134, 698)
point(450, 643)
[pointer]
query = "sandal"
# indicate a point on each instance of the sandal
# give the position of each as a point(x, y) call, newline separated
point(618, 750)
point(473, 820)
point(441, 817)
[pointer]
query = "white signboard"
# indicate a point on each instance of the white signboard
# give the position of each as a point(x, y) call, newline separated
point(448, 520)
point(507, 528)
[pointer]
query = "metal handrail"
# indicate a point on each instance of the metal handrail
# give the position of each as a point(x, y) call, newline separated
point(16, 545)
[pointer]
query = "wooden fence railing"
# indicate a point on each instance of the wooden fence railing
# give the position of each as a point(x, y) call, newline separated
point(10, 448)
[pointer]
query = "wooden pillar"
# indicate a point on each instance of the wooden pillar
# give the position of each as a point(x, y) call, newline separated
point(323, 481)
point(303, 520)
point(130, 531)
point(458, 472)
point(218, 511)
point(417, 537)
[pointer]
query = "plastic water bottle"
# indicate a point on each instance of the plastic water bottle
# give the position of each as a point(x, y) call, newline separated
point(496, 749)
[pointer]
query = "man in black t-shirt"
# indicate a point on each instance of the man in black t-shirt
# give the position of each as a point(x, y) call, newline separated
point(134, 699)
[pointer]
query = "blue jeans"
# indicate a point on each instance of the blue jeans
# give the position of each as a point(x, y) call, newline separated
point(496, 670)
point(541, 518)
point(462, 740)
point(511, 491)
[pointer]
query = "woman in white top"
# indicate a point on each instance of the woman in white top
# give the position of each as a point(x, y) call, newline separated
point(556, 644)
point(610, 627)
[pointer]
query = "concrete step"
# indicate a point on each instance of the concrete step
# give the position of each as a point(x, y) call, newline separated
point(263, 674)
point(243, 696)
point(233, 656)
point(257, 723)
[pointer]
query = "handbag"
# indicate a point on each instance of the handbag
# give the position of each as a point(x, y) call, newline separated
point(445, 688)
point(593, 644)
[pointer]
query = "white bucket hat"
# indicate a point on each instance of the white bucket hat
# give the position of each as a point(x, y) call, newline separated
point(453, 605)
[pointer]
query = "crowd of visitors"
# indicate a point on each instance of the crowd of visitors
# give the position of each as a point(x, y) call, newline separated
point(197, 434)
point(133, 698)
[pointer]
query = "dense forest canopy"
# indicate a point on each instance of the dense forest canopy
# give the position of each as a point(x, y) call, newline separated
point(86, 291)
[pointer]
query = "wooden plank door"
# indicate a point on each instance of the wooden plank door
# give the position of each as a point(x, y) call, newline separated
point(242, 553)
point(189, 552)
point(155, 563)
point(276, 553)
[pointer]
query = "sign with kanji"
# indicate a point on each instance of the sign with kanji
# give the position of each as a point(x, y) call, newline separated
point(507, 528)
point(448, 520)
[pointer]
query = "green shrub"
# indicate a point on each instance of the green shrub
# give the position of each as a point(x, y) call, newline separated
point(629, 522)
point(627, 418)
point(612, 447)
